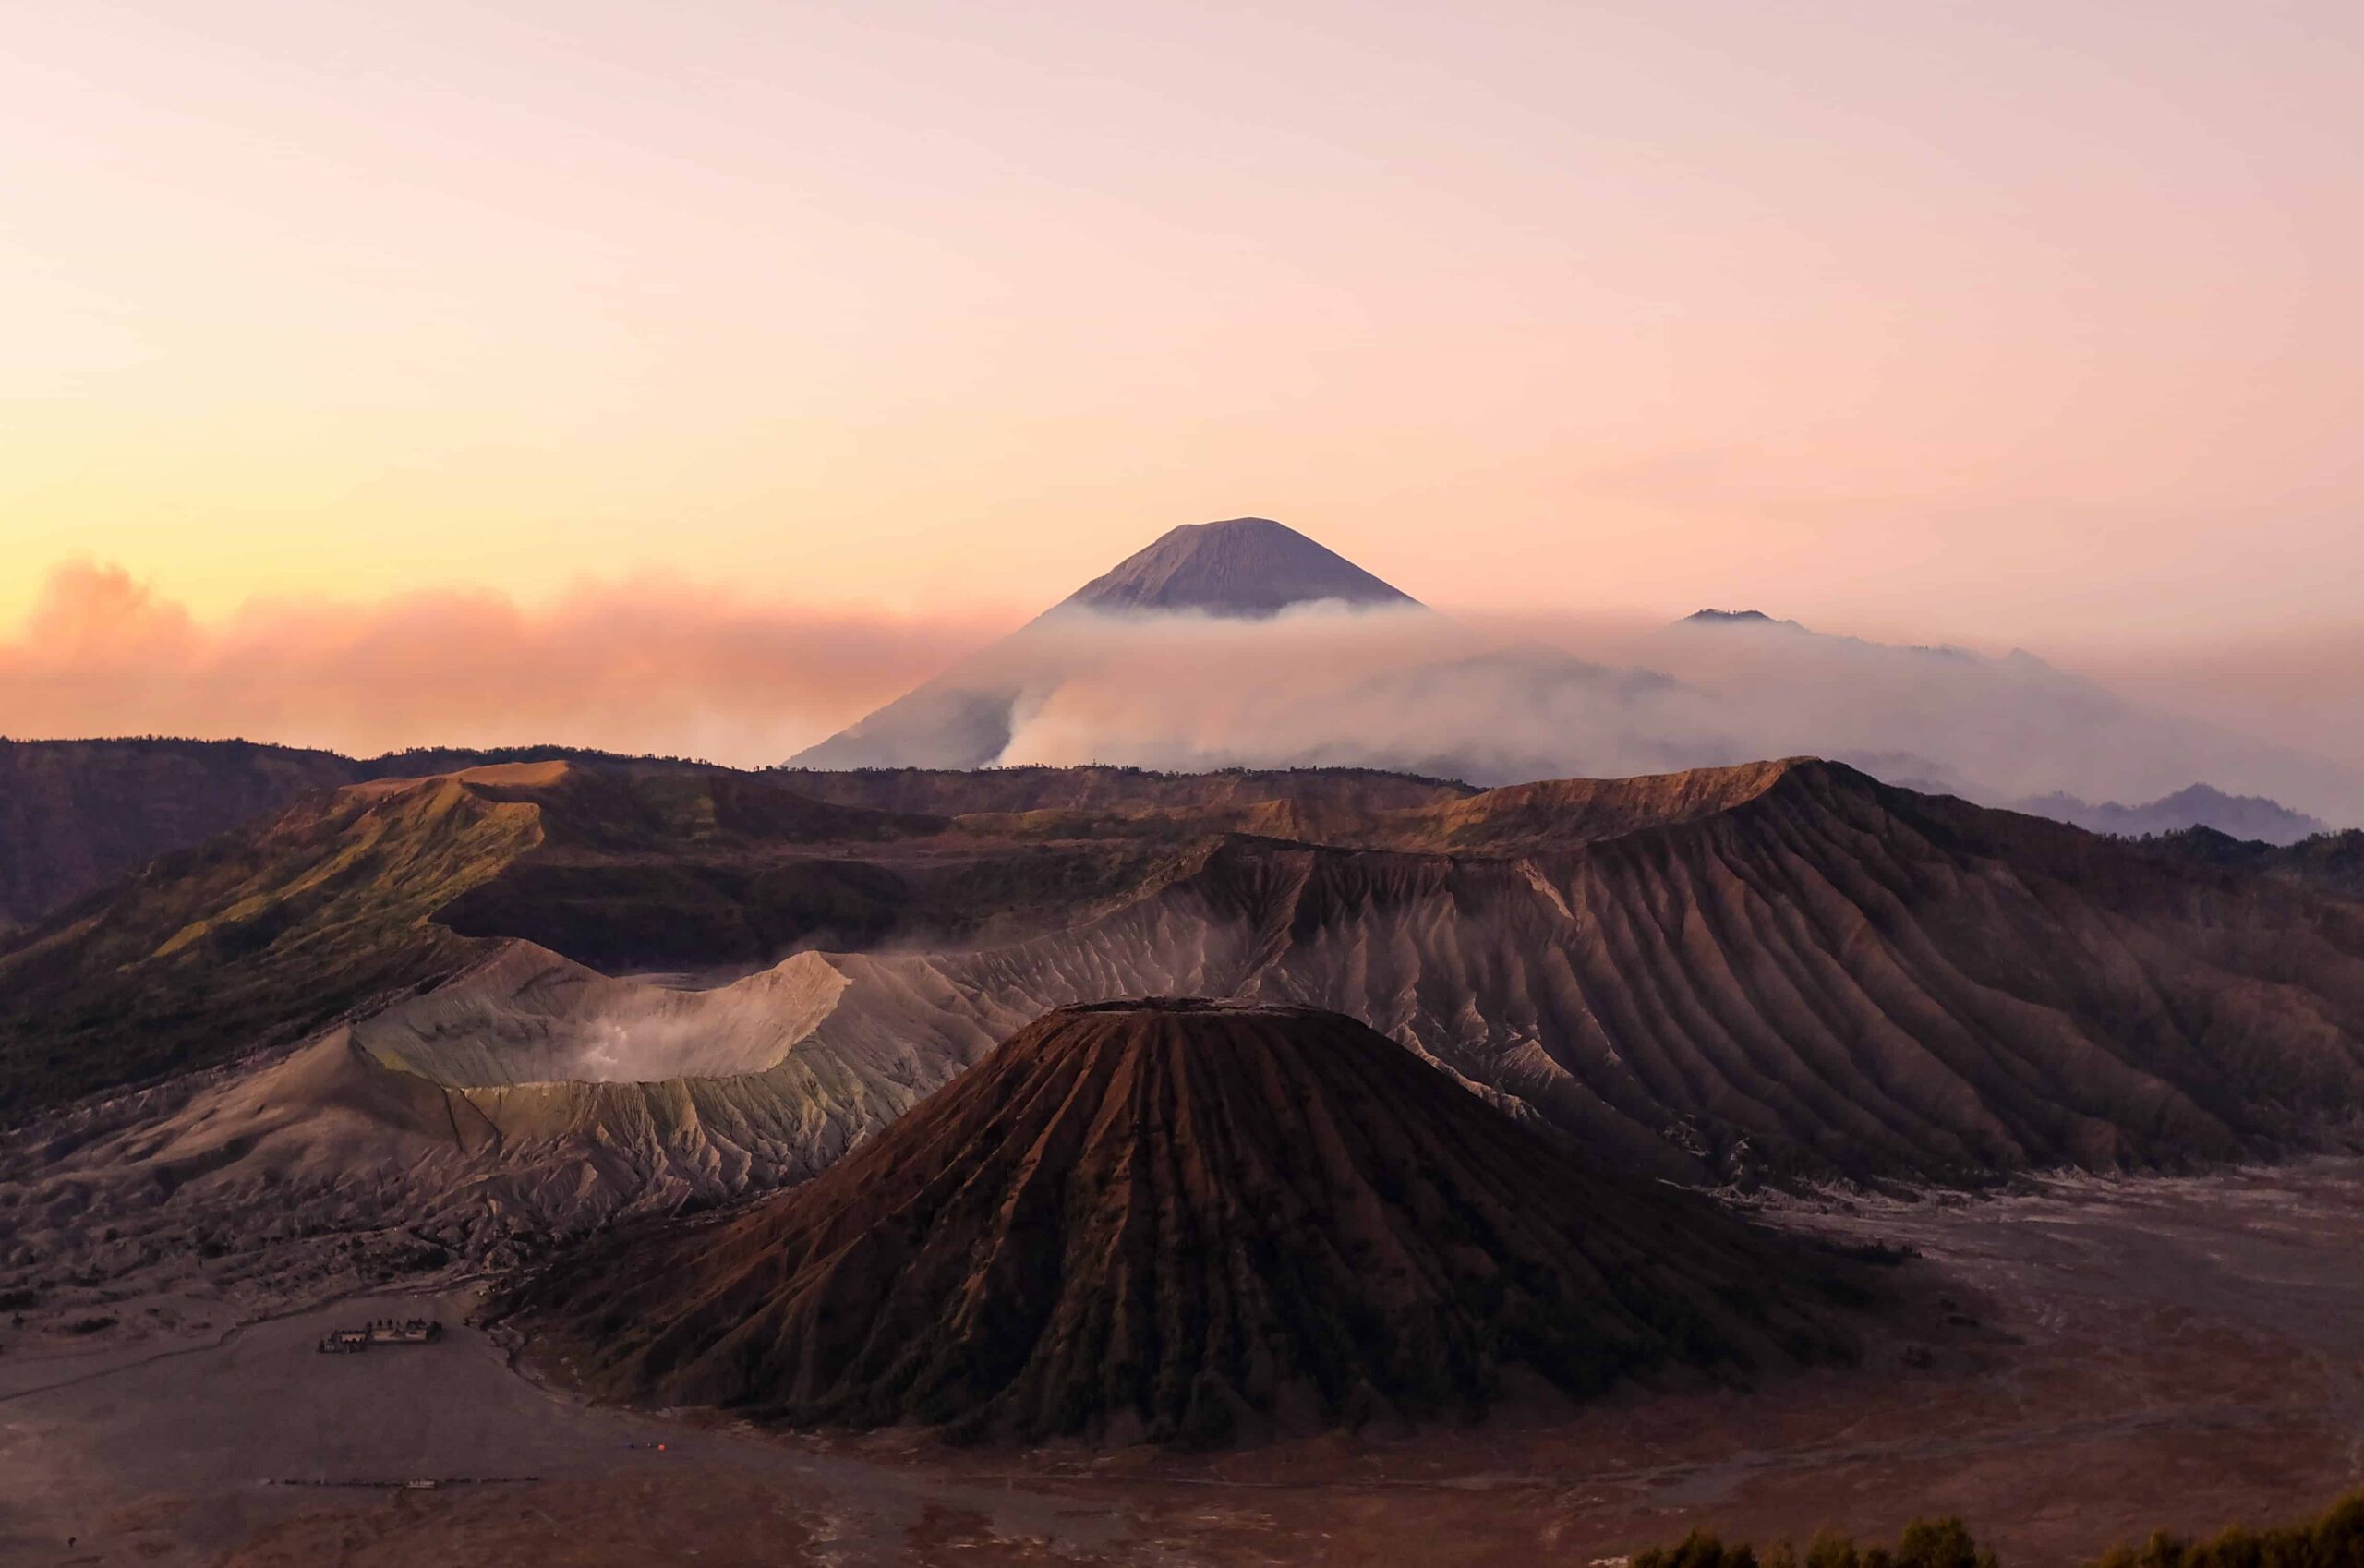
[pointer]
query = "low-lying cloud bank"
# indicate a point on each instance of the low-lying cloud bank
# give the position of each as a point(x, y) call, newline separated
point(1408, 689)
point(670, 668)
point(662, 666)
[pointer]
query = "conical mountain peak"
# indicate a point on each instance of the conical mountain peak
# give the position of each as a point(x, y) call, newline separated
point(1244, 567)
point(1241, 569)
point(1182, 1220)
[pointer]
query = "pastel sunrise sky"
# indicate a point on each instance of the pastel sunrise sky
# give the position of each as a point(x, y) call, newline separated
point(846, 335)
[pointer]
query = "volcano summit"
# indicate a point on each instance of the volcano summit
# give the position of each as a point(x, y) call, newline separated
point(1244, 569)
point(1181, 1220)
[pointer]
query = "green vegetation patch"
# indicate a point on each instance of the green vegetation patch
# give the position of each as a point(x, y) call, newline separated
point(249, 940)
point(2334, 1539)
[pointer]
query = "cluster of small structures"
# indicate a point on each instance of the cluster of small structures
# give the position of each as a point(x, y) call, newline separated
point(417, 1483)
point(380, 1331)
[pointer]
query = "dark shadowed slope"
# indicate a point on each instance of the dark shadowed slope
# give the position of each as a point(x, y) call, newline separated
point(1070, 793)
point(1769, 971)
point(351, 897)
point(251, 939)
point(1784, 970)
point(2328, 862)
point(1177, 1218)
point(77, 815)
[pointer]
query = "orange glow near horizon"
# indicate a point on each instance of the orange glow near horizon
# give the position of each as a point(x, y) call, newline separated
point(2018, 323)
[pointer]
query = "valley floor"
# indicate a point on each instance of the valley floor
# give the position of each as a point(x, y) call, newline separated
point(2081, 1362)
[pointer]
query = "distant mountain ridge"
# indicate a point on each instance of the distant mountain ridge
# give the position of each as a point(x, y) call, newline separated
point(2197, 806)
point(1735, 618)
point(77, 815)
point(2328, 862)
point(1786, 968)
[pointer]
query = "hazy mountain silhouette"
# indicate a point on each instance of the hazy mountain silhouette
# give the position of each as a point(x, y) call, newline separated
point(2200, 805)
point(1243, 569)
point(1180, 658)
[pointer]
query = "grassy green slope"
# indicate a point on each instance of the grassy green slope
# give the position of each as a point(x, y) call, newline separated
point(254, 938)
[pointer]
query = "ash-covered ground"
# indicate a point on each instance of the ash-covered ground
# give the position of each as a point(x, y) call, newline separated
point(2076, 1362)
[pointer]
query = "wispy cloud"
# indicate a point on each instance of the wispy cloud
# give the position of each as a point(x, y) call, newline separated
point(661, 666)
point(1504, 698)
point(670, 667)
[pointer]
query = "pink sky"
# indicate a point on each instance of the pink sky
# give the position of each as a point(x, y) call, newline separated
point(2009, 323)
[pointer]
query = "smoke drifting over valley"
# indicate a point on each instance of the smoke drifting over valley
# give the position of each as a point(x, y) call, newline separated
point(1546, 697)
point(1398, 688)
point(670, 668)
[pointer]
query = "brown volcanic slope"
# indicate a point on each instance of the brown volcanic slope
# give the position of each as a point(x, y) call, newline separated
point(1173, 1219)
point(1785, 970)
point(349, 899)
point(2328, 862)
point(1787, 967)
point(76, 815)
point(252, 939)
point(1119, 792)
